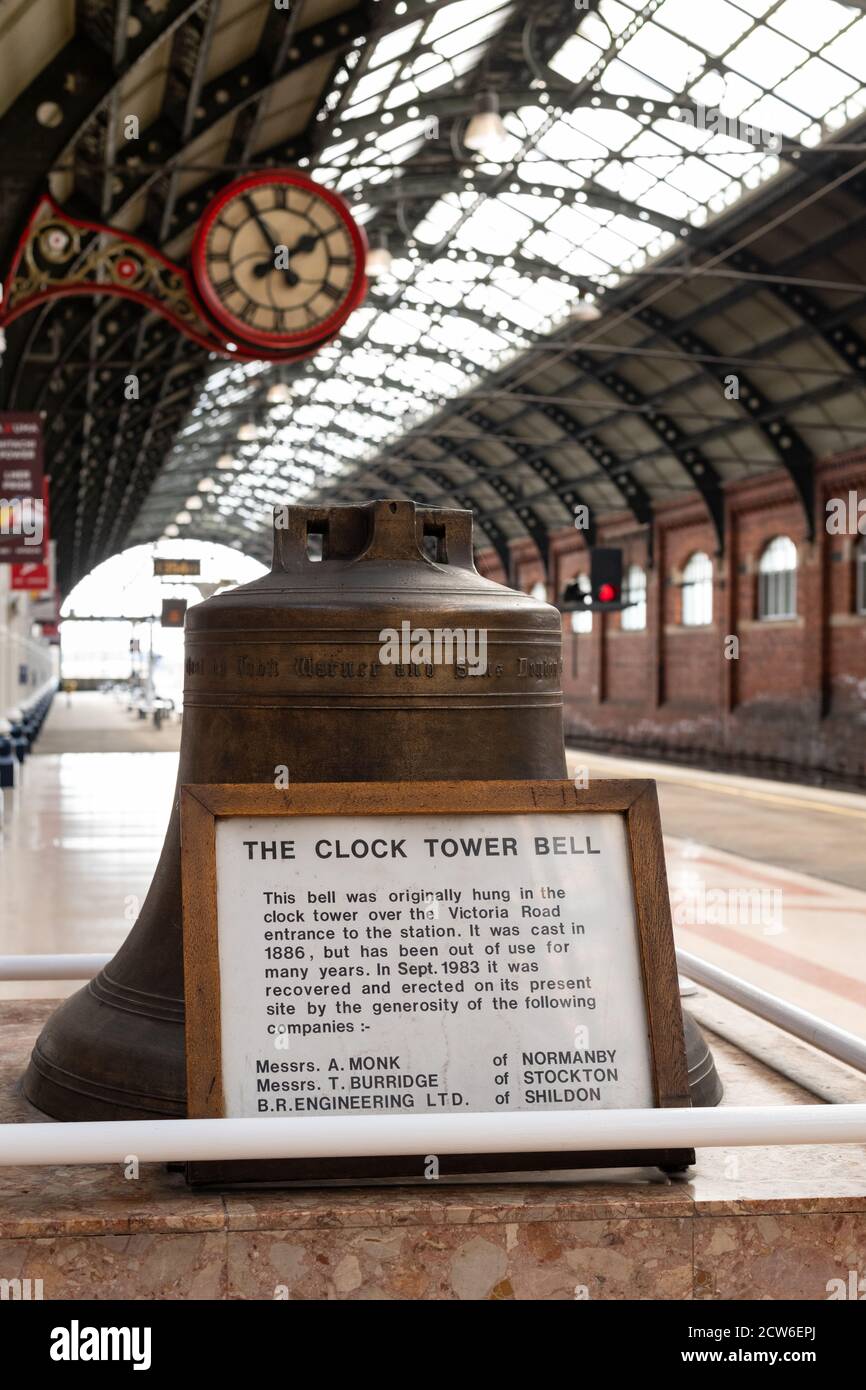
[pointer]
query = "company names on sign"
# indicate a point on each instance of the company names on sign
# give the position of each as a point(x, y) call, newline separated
point(442, 963)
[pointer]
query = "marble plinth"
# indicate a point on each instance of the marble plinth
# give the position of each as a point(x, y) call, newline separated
point(764, 1223)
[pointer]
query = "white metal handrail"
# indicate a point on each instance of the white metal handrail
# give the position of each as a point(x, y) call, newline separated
point(359, 1136)
point(62, 967)
point(836, 1042)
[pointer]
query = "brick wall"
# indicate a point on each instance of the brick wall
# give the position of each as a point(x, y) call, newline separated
point(794, 698)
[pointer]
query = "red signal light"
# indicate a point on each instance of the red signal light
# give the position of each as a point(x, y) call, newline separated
point(606, 593)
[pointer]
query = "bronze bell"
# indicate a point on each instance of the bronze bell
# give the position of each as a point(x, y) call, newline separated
point(282, 672)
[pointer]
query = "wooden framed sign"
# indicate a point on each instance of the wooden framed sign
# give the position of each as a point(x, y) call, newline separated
point(427, 947)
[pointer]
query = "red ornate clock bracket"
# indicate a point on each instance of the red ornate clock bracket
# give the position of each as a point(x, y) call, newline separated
point(60, 256)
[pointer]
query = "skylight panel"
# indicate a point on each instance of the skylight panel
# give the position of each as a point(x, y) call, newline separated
point(699, 179)
point(314, 414)
point(575, 59)
point(335, 154)
point(628, 180)
point(548, 246)
point(493, 228)
point(621, 80)
point(582, 263)
point(363, 108)
point(754, 7)
point(610, 130)
point(469, 37)
point(849, 50)
point(427, 72)
point(608, 246)
point(532, 205)
point(409, 133)
point(366, 362)
point(660, 55)
point(445, 282)
point(427, 375)
point(397, 329)
point(457, 16)
point(430, 297)
point(774, 117)
point(816, 86)
point(635, 232)
point(462, 335)
point(812, 24)
point(472, 341)
point(738, 94)
point(526, 121)
point(766, 57)
point(667, 200)
point(463, 62)
point(395, 45)
point(372, 84)
point(442, 217)
point(714, 27)
point(359, 321)
point(492, 301)
point(573, 223)
point(546, 171)
point(400, 95)
point(650, 144)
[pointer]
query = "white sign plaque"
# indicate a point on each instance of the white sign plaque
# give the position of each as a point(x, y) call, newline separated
point(383, 964)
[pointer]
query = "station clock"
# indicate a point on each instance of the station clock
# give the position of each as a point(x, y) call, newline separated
point(279, 261)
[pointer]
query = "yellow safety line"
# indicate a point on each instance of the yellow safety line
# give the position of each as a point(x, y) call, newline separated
point(766, 796)
point(779, 800)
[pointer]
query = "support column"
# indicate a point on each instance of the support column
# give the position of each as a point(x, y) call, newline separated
point(730, 609)
point(811, 603)
point(655, 617)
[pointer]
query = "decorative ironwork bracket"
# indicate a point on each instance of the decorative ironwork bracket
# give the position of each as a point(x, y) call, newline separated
point(60, 256)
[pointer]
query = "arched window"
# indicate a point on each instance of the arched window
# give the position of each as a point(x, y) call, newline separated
point(698, 590)
point(633, 617)
point(582, 622)
point(777, 580)
point(860, 561)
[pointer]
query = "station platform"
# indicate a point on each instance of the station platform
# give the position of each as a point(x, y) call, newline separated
point(85, 721)
point(767, 880)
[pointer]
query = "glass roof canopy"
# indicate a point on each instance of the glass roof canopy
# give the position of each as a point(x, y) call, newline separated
point(650, 120)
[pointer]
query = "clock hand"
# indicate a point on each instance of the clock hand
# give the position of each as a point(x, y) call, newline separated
point(264, 268)
point(260, 223)
point(306, 243)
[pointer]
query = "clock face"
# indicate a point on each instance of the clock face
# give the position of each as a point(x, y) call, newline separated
point(279, 260)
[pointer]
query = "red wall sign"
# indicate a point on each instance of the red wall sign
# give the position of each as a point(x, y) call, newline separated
point(33, 578)
point(22, 504)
